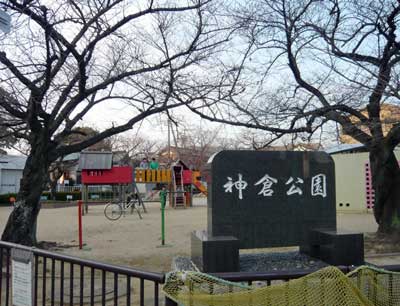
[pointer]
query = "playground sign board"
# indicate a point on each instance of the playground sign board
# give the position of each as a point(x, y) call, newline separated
point(270, 199)
point(22, 277)
point(115, 175)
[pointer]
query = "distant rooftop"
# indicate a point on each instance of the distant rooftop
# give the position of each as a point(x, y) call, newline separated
point(71, 157)
point(12, 162)
point(346, 148)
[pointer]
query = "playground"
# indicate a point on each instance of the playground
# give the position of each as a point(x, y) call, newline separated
point(138, 240)
point(127, 241)
point(136, 243)
point(97, 170)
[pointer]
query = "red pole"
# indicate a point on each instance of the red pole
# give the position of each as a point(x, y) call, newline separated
point(80, 223)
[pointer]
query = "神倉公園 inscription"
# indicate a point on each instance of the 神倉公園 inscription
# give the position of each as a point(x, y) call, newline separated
point(295, 185)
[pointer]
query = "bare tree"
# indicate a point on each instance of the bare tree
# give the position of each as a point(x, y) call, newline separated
point(7, 123)
point(83, 133)
point(135, 146)
point(308, 63)
point(195, 143)
point(64, 58)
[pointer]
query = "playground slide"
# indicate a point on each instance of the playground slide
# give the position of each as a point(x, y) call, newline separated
point(199, 185)
point(196, 176)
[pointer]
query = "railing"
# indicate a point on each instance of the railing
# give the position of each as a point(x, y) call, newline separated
point(62, 188)
point(270, 278)
point(91, 188)
point(65, 280)
point(279, 276)
point(152, 176)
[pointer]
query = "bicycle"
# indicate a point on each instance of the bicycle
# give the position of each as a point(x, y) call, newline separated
point(114, 211)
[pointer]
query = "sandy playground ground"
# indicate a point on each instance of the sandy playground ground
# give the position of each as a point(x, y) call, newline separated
point(136, 243)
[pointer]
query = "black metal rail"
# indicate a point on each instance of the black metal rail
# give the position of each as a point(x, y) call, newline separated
point(66, 280)
point(269, 277)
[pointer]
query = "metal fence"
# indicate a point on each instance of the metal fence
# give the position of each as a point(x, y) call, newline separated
point(65, 280)
point(271, 277)
point(91, 188)
point(62, 188)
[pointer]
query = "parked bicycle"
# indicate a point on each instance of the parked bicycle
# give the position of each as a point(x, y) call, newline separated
point(114, 211)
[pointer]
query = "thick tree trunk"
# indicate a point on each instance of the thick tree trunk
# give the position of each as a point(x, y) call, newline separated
point(386, 182)
point(21, 225)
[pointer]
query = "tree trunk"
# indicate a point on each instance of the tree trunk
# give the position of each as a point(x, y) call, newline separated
point(53, 188)
point(386, 183)
point(21, 224)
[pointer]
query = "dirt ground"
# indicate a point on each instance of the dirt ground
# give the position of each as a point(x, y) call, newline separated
point(137, 243)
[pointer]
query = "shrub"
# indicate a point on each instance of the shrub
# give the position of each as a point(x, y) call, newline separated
point(5, 198)
point(62, 196)
point(59, 196)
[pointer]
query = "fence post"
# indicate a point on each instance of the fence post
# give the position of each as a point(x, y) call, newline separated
point(163, 200)
point(80, 223)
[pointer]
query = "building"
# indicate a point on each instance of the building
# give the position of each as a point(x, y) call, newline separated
point(390, 115)
point(66, 171)
point(69, 166)
point(354, 191)
point(11, 168)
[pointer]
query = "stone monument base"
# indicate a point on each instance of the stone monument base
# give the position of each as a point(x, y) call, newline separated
point(335, 247)
point(221, 253)
point(214, 254)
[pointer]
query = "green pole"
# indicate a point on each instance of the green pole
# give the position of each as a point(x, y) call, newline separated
point(163, 199)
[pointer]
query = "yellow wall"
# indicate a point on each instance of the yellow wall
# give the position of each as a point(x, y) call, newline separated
point(350, 181)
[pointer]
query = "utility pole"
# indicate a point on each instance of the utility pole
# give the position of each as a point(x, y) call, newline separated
point(176, 142)
point(169, 143)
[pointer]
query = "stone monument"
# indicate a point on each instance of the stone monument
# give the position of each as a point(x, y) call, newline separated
point(268, 199)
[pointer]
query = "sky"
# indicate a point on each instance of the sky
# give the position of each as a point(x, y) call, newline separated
point(155, 127)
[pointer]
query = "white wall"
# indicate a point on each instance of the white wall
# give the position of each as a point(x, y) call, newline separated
point(9, 180)
point(350, 181)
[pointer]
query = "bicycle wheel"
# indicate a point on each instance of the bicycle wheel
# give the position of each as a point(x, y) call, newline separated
point(113, 211)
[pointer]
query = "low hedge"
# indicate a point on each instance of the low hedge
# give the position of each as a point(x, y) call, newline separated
point(62, 196)
point(5, 198)
point(59, 196)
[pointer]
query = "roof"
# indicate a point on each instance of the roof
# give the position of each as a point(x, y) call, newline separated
point(346, 147)
point(92, 160)
point(12, 162)
point(71, 157)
